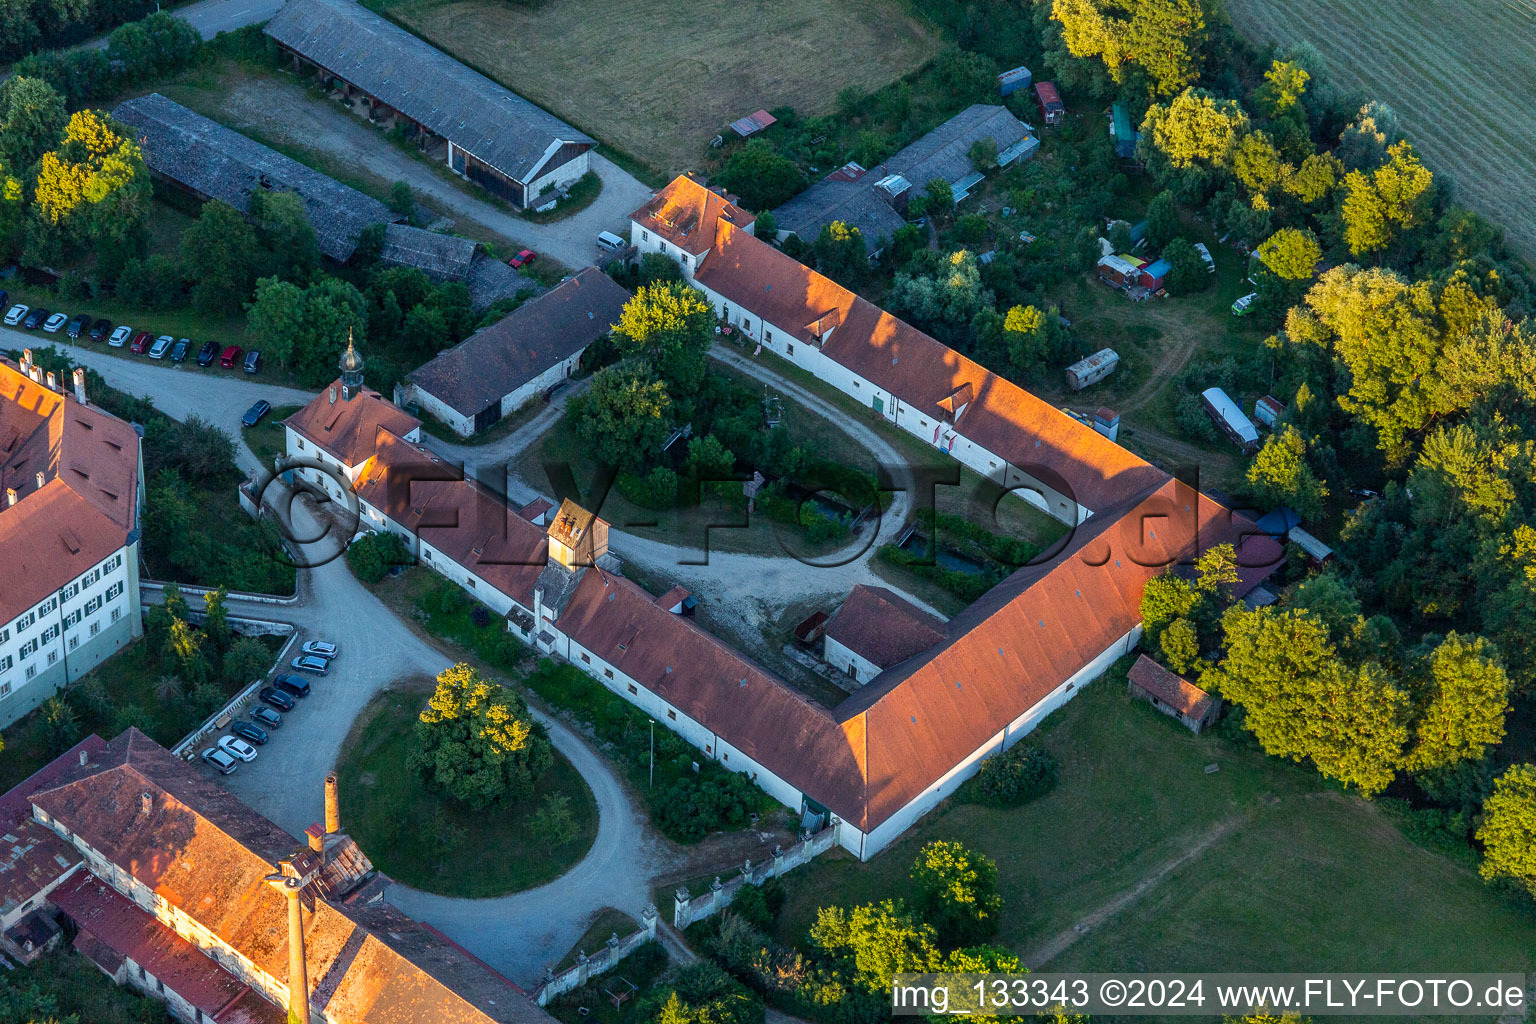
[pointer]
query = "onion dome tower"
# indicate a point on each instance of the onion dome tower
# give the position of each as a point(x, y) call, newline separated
point(351, 367)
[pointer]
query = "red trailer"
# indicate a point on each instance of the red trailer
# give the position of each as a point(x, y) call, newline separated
point(1052, 110)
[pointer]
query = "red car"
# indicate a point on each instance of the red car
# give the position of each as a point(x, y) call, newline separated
point(231, 357)
point(523, 258)
point(140, 342)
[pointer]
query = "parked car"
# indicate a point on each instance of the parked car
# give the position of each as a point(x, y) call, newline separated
point(267, 717)
point(139, 343)
point(276, 698)
point(1244, 304)
point(119, 336)
point(180, 349)
point(523, 258)
point(207, 353)
point(320, 648)
point(254, 414)
point(77, 325)
point(236, 747)
point(16, 314)
point(35, 318)
point(310, 663)
point(249, 731)
point(230, 357)
point(253, 360)
point(293, 686)
point(53, 323)
point(100, 328)
point(161, 347)
point(220, 760)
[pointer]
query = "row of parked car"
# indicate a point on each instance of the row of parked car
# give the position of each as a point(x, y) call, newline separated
point(277, 699)
point(139, 343)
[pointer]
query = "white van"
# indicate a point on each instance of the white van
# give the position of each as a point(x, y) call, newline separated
point(610, 242)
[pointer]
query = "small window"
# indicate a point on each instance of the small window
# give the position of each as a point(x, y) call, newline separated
point(31, 671)
point(586, 659)
point(855, 384)
point(789, 347)
point(608, 673)
point(672, 715)
point(470, 584)
point(645, 236)
point(301, 444)
point(117, 613)
point(96, 626)
point(5, 688)
point(725, 757)
point(630, 687)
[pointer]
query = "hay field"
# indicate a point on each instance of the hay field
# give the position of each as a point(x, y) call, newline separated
point(1461, 75)
point(658, 78)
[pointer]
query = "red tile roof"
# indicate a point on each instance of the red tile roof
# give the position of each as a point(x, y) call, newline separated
point(31, 859)
point(1173, 690)
point(686, 212)
point(347, 429)
point(86, 506)
point(120, 926)
point(883, 627)
point(208, 854)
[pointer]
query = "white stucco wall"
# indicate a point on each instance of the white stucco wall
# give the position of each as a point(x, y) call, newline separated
point(846, 659)
point(559, 177)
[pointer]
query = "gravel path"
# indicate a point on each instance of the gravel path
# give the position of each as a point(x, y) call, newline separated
point(288, 111)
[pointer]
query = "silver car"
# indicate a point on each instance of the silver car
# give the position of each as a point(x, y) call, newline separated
point(321, 648)
point(220, 760)
point(161, 347)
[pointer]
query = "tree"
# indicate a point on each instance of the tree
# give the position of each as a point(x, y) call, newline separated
point(841, 254)
point(307, 328)
point(1165, 37)
point(873, 943)
point(185, 645)
point(401, 199)
point(699, 993)
point(1316, 178)
point(1164, 598)
point(94, 185)
point(372, 556)
point(711, 462)
point(624, 418)
point(221, 255)
point(1379, 205)
point(1508, 832)
point(1180, 644)
point(1162, 220)
point(1259, 167)
point(940, 293)
point(32, 117)
point(477, 742)
point(1302, 701)
point(1285, 83)
point(1020, 774)
point(1195, 128)
point(1279, 475)
point(1291, 254)
point(1187, 271)
point(216, 617)
point(553, 822)
point(246, 659)
point(670, 326)
point(760, 176)
point(1468, 699)
point(955, 890)
point(940, 196)
point(283, 227)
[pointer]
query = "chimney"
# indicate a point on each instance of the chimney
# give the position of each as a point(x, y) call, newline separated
point(35, 374)
point(332, 805)
point(316, 840)
point(26, 361)
point(298, 976)
point(53, 382)
point(10, 499)
point(146, 802)
point(333, 394)
point(40, 480)
point(80, 384)
point(83, 758)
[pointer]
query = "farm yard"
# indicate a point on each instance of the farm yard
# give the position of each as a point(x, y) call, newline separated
point(658, 79)
point(1459, 73)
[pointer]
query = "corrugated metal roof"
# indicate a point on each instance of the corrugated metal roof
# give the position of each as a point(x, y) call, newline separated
point(455, 102)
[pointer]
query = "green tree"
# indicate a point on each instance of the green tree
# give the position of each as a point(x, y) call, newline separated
point(185, 646)
point(711, 462)
point(307, 328)
point(1467, 702)
point(1164, 598)
point(1187, 273)
point(1180, 644)
point(1285, 83)
point(477, 742)
point(1316, 178)
point(1258, 165)
point(1379, 205)
point(1164, 37)
point(1162, 220)
point(247, 659)
point(1291, 254)
point(1195, 128)
point(625, 416)
point(671, 326)
point(221, 256)
point(1508, 832)
point(282, 225)
point(940, 293)
point(873, 943)
point(941, 198)
point(841, 254)
point(32, 117)
point(1280, 475)
point(1303, 702)
point(94, 185)
point(216, 617)
point(760, 176)
point(954, 888)
point(402, 200)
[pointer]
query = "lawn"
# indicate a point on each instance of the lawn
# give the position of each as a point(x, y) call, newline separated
point(402, 826)
point(1307, 878)
point(1459, 73)
point(658, 79)
point(269, 439)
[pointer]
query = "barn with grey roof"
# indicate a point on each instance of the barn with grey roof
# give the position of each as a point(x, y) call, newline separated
point(493, 136)
point(211, 161)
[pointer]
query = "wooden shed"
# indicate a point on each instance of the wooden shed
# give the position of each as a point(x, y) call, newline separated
point(1172, 694)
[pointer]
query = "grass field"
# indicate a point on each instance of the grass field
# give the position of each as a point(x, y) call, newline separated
point(1297, 876)
point(658, 78)
point(1460, 73)
point(399, 827)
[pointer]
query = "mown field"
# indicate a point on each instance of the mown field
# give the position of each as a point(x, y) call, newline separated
point(1460, 74)
point(1283, 872)
point(658, 78)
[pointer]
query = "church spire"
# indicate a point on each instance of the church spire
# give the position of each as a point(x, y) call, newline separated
point(351, 367)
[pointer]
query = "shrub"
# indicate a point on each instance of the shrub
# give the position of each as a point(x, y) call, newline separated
point(1024, 773)
point(751, 905)
point(698, 803)
point(373, 555)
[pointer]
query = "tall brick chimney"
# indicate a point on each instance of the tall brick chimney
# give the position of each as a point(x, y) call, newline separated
point(298, 976)
point(332, 805)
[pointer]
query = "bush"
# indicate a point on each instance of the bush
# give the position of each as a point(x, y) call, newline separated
point(1024, 773)
point(709, 800)
point(373, 555)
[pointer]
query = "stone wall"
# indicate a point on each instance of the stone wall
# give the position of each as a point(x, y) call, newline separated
point(589, 966)
point(688, 908)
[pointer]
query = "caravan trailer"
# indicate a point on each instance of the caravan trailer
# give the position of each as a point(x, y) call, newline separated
point(1095, 368)
point(1230, 420)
